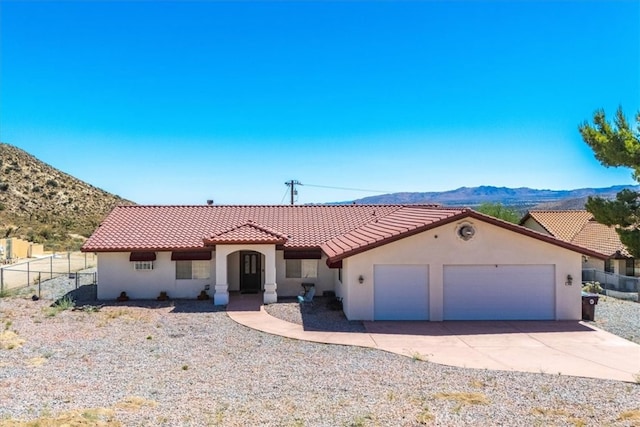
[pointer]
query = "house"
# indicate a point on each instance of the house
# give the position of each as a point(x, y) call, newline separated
point(579, 227)
point(398, 262)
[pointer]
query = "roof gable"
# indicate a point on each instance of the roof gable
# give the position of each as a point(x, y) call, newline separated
point(580, 228)
point(248, 232)
point(401, 223)
point(363, 239)
point(564, 225)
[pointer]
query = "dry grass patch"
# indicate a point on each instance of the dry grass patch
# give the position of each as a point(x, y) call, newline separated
point(559, 413)
point(107, 315)
point(9, 340)
point(99, 417)
point(633, 415)
point(37, 361)
point(425, 417)
point(464, 398)
point(549, 412)
point(133, 403)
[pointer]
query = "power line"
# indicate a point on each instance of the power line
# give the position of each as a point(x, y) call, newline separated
point(284, 195)
point(347, 188)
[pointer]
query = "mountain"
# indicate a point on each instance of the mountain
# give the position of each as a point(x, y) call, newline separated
point(521, 199)
point(42, 204)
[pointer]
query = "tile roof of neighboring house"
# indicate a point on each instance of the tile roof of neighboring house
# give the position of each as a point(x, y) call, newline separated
point(340, 231)
point(580, 228)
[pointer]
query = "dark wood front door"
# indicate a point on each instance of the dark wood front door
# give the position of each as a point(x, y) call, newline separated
point(250, 272)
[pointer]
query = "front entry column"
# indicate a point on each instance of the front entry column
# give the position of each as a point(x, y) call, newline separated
point(221, 295)
point(270, 295)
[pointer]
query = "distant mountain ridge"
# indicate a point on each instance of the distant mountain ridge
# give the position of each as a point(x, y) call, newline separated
point(522, 198)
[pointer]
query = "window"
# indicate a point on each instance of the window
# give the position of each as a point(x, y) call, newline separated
point(192, 270)
point(301, 268)
point(608, 265)
point(143, 265)
point(630, 267)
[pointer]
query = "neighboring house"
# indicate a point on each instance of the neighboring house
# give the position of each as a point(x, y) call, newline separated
point(580, 228)
point(394, 262)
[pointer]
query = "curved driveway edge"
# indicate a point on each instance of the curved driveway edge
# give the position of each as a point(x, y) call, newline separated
point(553, 347)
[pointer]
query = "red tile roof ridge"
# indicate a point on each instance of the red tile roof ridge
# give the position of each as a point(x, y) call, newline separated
point(252, 224)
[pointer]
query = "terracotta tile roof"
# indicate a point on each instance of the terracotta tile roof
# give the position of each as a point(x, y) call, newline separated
point(580, 228)
point(397, 224)
point(600, 238)
point(340, 231)
point(182, 227)
point(248, 233)
point(564, 225)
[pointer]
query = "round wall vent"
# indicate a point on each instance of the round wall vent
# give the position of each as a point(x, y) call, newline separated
point(466, 231)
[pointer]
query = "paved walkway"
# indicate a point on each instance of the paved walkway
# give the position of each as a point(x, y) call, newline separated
point(551, 347)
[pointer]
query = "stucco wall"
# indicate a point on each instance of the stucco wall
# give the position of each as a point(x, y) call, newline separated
point(535, 225)
point(594, 263)
point(442, 246)
point(116, 274)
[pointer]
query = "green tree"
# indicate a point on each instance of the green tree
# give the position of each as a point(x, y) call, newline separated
point(497, 210)
point(617, 144)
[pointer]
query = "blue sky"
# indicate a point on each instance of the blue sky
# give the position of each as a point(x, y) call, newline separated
point(163, 102)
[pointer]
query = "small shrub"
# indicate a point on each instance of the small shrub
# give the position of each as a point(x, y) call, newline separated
point(64, 303)
point(52, 183)
point(4, 186)
point(592, 287)
point(425, 417)
point(185, 367)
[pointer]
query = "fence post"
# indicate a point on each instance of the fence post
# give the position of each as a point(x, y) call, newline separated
point(2, 280)
point(28, 274)
point(69, 262)
point(39, 287)
point(77, 280)
point(51, 266)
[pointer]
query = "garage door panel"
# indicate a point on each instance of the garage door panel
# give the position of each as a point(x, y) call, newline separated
point(499, 292)
point(401, 292)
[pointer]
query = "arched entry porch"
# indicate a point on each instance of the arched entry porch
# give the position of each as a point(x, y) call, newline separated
point(246, 268)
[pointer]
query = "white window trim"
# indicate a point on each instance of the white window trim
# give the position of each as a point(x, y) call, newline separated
point(200, 270)
point(308, 269)
point(143, 265)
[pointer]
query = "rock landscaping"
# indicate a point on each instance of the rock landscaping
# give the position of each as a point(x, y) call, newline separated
point(186, 363)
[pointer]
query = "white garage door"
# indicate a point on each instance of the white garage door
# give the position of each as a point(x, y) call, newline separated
point(499, 292)
point(401, 292)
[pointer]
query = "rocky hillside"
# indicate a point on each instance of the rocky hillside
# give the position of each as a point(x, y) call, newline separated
point(42, 204)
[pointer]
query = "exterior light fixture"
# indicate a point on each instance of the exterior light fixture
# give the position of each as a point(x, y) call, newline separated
point(569, 281)
point(360, 279)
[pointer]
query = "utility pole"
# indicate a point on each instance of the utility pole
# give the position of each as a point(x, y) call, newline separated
point(292, 184)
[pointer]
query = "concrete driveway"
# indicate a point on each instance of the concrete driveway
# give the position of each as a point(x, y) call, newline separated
point(550, 347)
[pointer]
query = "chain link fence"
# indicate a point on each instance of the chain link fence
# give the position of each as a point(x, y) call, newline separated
point(52, 276)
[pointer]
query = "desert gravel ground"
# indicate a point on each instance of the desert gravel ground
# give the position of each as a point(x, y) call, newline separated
point(186, 363)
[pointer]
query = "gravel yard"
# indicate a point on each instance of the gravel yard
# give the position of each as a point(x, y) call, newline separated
point(186, 363)
point(619, 317)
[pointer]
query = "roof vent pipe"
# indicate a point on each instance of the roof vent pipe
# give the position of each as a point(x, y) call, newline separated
point(210, 202)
